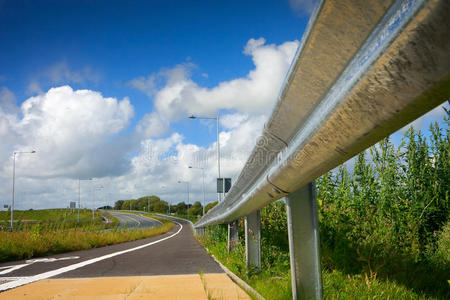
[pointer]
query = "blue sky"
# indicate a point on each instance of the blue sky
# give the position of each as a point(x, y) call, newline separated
point(103, 89)
point(118, 41)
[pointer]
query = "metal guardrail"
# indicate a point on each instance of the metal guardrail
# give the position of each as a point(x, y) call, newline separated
point(364, 69)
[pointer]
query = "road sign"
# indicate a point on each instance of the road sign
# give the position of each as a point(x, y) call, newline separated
point(223, 185)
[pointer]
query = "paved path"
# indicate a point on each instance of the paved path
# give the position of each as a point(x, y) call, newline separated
point(176, 253)
point(130, 220)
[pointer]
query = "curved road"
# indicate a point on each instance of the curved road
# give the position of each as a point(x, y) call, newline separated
point(175, 252)
point(131, 270)
point(129, 220)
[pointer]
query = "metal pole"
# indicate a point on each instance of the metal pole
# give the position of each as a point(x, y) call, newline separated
point(253, 241)
point(203, 175)
point(13, 186)
point(187, 200)
point(233, 235)
point(79, 196)
point(219, 196)
point(303, 232)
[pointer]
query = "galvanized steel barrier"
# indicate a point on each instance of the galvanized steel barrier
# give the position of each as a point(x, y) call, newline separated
point(364, 69)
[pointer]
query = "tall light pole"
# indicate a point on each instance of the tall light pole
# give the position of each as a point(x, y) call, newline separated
point(14, 182)
point(79, 196)
point(218, 144)
point(187, 185)
point(203, 188)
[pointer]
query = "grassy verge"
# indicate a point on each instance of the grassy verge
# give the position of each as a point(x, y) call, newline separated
point(54, 219)
point(273, 282)
point(48, 237)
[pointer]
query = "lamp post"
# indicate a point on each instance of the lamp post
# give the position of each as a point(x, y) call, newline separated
point(79, 196)
point(14, 182)
point(203, 187)
point(218, 144)
point(187, 185)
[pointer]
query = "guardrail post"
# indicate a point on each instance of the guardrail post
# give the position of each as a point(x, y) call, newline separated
point(303, 231)
point(200, 231)
point(233, 235)
point(253, 241)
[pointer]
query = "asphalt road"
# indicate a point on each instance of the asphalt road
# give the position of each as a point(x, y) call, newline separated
point(128, 220)
point(175, 252)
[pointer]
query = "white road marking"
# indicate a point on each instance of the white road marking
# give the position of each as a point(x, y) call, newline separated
point(17, 283)
point(32, 261)
point(12, 278)
point(12, 268)
point(51, 259)
point(146, 217)
point(132, 218)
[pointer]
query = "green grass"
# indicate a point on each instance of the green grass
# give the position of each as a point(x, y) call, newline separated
point(55, 218)
point(52, 234)
point(273, 282)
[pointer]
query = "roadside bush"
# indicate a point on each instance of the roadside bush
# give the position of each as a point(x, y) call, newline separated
point(384, 225)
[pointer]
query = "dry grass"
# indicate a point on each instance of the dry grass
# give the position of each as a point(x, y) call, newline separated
point(37, 242)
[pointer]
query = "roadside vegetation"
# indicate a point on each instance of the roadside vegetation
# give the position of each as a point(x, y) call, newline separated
point(384, 227)
point(45, 232)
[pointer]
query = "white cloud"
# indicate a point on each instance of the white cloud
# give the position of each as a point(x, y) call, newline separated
point(80, 133)
point(232, 121)
point(253, 94)
point(303, 6)
point(60, 73)
point(7, 100)
point(73, 132)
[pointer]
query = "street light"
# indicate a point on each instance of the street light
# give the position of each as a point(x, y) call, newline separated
point(79, 196)
point(14, 180)
point(203, 177)
point(187, 185)
point(218, 143)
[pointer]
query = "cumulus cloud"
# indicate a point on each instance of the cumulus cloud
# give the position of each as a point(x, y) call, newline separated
point(80, 133)
point(73, 132)
point(253, 94)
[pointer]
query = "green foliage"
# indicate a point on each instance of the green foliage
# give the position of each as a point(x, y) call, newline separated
point(196, 209)
point(384, 226)
point(385, 218)
point(147, 203)
point(40, 240)
point(210, 205)
point(119, 204)
point(180, 208)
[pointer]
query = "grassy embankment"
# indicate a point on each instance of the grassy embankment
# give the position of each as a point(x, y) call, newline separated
point(45, 232)
point(384, 227)
point(274, 281)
